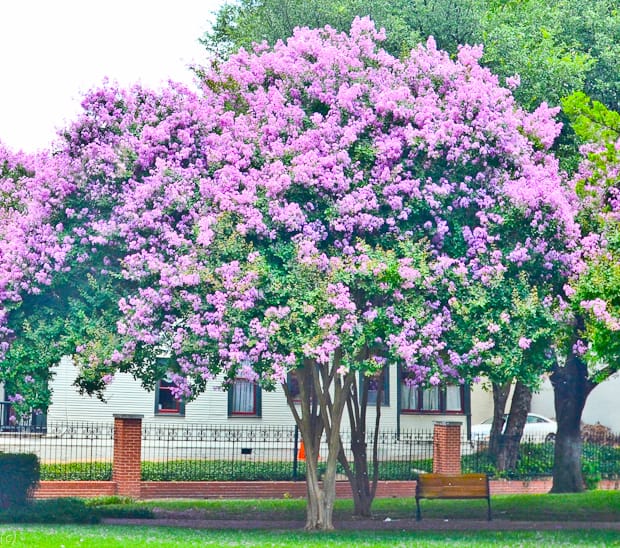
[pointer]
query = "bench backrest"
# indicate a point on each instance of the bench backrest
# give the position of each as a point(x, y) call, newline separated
point(463, 486)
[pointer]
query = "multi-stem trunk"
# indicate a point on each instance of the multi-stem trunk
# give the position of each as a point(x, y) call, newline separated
point(500, 397)
point(322, 399)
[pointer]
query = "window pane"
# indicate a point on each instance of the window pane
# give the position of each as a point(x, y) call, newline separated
point(453, 398)
point(166, 402)
point(408, 397)
point(372, 391)
point(373, 388)
point(243, 397)
point(430, 399)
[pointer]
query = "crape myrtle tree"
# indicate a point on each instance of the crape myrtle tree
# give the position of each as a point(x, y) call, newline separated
point(527, 39)
point(340, 199)
point(590, 354)
point(32, 254)
point(322, 208)
point(62, 272)
point(556, 48)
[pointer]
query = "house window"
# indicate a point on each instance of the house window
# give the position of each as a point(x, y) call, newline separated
point(244, 399)
point(373, 388)
point(165, 402)
point(435, 399)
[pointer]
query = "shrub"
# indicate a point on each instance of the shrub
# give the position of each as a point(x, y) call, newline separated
point(591, 475)
point(19, 475)
point(64, 510)
point(73, 510)
point(78, 471)
point(599, 434)
point(536, 460)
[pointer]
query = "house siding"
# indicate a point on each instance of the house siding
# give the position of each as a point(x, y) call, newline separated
point(601, 406)
point(126, 395)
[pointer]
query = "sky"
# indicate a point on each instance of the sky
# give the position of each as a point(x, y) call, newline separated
point(53, 51)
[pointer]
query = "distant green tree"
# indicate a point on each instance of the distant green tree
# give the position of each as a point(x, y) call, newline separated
point(407, 22)
point(556, 47)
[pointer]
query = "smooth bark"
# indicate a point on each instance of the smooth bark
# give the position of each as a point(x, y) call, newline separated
point(363, 486)
point(323, 395)
point(511, 436)
point(500, 397)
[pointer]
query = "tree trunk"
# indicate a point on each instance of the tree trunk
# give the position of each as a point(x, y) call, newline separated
point(358, 475)
point(500, 397)
point(322, 396)
point(571, 387)
point(511, 437)
point(363, 488)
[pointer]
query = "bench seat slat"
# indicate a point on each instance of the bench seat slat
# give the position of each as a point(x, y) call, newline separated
point(443, 486)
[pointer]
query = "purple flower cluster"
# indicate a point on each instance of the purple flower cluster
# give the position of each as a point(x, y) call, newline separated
point(318, 197)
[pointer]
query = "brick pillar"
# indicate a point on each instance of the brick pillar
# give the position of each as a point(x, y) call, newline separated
point(447, 448)
point(127, 454)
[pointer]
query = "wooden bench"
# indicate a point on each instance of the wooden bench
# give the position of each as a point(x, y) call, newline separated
point(446, 486)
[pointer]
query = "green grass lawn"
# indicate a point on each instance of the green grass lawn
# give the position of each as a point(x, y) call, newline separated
point(588, 506)
point(123, 537)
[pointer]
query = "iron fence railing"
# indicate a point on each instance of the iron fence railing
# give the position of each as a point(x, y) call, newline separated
point(600, 457)
point(199, 452)
point(84, 451)
point(66, 450)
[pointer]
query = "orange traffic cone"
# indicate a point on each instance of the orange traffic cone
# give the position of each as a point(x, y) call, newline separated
point(301, 452)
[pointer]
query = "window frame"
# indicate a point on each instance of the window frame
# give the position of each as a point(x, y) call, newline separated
point(386, 387)
point(257, 410)
point(420, 399)
point(178, 411)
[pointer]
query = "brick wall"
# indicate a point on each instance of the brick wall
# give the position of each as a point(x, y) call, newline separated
point(83, 489)
point(447, 448)
point(271, 489)
point(127, 455)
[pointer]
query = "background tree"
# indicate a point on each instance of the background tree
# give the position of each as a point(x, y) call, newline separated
point(240, 24)
point(591, 344)
point(556, 47)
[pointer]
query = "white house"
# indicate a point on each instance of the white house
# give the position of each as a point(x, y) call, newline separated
point(403, 407)
point(602, 405)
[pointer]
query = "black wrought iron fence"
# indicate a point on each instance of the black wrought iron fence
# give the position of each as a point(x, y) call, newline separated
point(600, 457)
point(66, 450)
point(84, 451)
point(212, 453)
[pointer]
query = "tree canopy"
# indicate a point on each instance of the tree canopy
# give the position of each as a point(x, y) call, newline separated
point(320, 207)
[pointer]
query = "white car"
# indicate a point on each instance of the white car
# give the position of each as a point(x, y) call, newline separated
point(536, 427)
